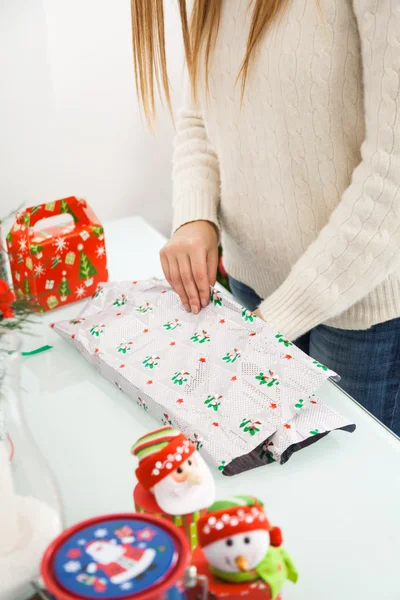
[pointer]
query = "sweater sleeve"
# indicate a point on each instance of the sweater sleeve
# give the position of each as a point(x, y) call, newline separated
point(196, 180)
point(360, 245)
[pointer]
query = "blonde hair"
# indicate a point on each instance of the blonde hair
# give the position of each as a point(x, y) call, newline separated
point(199, 37)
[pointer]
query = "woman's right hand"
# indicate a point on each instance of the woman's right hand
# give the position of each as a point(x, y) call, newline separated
point(190, 260)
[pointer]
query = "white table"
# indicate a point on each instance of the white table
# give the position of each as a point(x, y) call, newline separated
point(337, 501)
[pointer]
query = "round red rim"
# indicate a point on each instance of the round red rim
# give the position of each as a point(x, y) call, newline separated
point(176, 574)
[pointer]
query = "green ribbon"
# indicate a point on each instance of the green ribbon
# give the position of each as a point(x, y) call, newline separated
point(37, 351)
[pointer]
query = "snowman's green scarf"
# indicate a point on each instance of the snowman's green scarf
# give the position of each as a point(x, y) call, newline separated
point(274, 569)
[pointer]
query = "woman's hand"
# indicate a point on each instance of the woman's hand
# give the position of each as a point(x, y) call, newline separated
point(189, 261)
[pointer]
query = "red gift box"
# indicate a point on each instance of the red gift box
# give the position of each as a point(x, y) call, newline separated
point(218, 589)
point(145, 503)
point(57, 264)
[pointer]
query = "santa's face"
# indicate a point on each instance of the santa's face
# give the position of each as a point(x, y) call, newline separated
point(188, 489)
point(104, 552)
point(239, 553)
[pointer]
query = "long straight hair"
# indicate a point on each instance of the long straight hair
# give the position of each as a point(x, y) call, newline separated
point(199, 37)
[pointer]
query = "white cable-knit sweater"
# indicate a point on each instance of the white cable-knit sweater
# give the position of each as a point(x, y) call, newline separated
point(304, 178)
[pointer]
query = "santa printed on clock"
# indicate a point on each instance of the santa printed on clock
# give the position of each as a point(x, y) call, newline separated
point(119, 562)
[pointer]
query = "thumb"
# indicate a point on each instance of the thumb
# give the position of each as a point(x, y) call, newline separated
point(212, 265)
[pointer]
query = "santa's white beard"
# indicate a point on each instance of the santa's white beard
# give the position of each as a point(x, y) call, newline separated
point(182, 498)
point(107, 553)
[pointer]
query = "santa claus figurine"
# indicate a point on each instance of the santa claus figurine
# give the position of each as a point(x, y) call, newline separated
point(241, 547)
point(119, 562)
point(173, 479)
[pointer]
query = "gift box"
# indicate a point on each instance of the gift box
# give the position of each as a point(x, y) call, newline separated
point(145, 503)
point(255, 590)
point(57, 264)
point(222, 377)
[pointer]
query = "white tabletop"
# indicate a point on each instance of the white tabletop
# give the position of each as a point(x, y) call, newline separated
point(337, 501)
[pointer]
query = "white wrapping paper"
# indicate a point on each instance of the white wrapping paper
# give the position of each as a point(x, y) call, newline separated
point(240, 391)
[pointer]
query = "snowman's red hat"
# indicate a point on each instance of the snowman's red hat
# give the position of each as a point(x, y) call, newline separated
point(238, 514)
point(160, 452)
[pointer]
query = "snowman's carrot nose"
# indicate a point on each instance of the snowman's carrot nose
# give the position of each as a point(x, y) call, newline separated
point(242, 564)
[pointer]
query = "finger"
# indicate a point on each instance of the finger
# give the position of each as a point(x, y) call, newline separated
point(165, 266)
point(198, 262)
point(188, 281)
point(212, 266)
point(176, 282)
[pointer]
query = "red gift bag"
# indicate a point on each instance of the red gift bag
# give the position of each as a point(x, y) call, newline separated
point(61, 263)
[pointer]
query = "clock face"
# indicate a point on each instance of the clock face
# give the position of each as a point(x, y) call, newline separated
point(117, 558)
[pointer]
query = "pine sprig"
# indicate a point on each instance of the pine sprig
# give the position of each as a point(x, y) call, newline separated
point(24, 314)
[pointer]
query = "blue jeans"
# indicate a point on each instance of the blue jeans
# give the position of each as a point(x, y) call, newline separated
point(367, 361)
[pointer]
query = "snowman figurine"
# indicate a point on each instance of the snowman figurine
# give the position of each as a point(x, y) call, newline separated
point(241, 546)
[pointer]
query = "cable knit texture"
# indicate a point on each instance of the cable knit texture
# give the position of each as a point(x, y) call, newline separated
point(304, 178)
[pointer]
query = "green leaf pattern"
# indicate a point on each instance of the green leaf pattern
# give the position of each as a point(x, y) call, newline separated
point(180, 377)
point(213, 401)
point(269, 379)
point(151, 361)
point(231, 357)
point(282, 340)
point(249, 426)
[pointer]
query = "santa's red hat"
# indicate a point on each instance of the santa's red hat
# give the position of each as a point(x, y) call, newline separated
point(93, 542)
point(238, 514)
point(160, 452)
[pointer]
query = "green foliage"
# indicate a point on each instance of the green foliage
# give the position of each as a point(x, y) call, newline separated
point(24, 310)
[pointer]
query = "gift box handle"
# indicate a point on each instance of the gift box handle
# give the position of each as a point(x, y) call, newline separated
point(77, 209)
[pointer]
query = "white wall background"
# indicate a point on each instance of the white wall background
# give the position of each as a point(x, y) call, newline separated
point(69, 116)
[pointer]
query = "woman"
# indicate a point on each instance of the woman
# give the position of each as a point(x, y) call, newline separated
point(288, 147)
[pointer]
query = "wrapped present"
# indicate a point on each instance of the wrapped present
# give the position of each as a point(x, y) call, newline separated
point(58, 264)
point(240, 552)
point(226, 590)
point(174, 482)
point(222, 377)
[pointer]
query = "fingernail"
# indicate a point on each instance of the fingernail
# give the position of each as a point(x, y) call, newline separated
point(187, 307)
point(195, 310)
point(204, 303)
